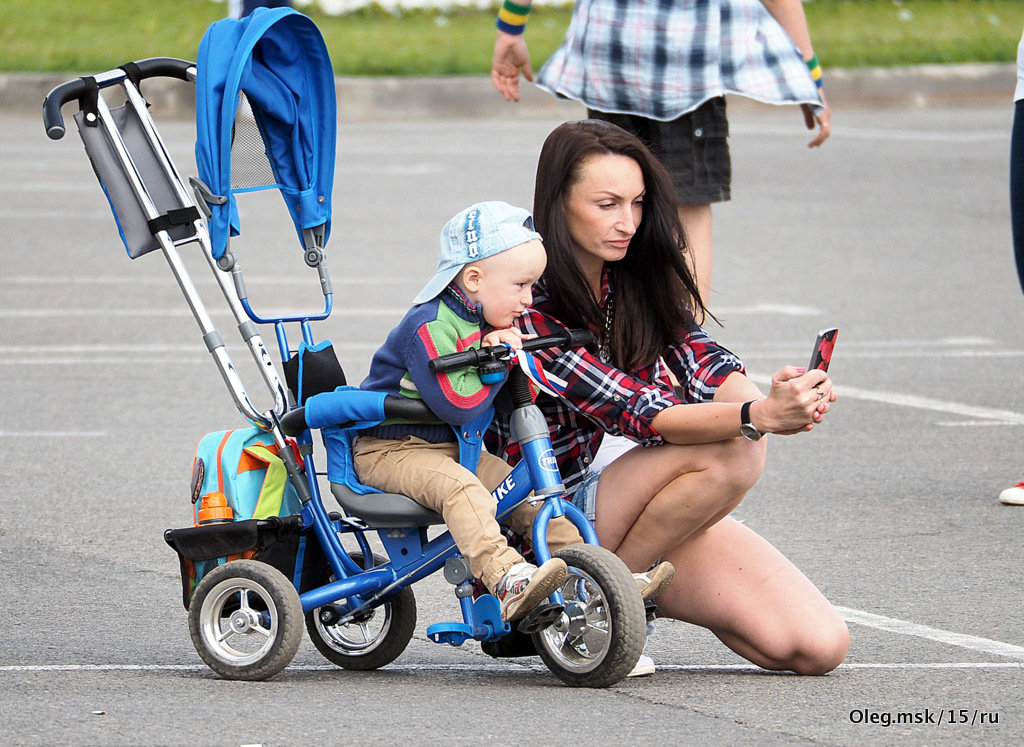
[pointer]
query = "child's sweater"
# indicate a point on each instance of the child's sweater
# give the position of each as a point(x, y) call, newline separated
point(448, 323)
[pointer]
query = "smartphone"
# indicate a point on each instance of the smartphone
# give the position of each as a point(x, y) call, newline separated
point(821, 356)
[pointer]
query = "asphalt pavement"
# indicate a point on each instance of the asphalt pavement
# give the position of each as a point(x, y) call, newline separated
point(896, 231)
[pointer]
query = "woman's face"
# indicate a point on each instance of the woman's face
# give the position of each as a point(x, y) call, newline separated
point(604, 208)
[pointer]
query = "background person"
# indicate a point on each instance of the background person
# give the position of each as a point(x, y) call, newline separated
point(1014, 496)
point(661, 71)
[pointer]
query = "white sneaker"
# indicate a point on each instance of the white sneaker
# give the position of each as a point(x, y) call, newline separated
point(1013, 496)
point(525, 586)
point(644, 667)
point(645, 664)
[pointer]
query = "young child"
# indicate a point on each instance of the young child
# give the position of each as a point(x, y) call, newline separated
point(490, 259)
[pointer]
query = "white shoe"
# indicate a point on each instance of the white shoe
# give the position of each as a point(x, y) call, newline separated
point(645, 664)
point(1013, 496)
point(644, 667)
point(525, 586)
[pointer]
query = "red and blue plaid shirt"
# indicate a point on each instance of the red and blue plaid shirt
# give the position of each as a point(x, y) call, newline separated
point(602, 399)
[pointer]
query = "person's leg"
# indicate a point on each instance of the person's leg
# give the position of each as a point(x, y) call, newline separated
point(1014, 495)
point(431, 475)
point(733, 582)
point(696, 220)
point(650, 500)
point(1017, 188)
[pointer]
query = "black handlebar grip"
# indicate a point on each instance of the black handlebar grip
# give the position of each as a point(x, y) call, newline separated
point(165, 67)
point(566, 338)
point(293, 423)
point(55, 99)
point(152, 67)
point(408, 409)
point(453, 361)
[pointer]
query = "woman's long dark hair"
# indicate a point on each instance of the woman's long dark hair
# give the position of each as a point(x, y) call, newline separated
point(654, 290)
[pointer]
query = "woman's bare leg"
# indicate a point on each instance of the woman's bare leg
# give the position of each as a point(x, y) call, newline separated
point(651, 500)
point(733, 582)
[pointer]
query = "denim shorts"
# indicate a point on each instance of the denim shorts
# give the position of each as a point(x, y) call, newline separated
point(585, 497)
point(694, 148)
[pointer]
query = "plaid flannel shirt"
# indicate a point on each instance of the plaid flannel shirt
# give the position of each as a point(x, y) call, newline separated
point(663, 58)
point(601, 398)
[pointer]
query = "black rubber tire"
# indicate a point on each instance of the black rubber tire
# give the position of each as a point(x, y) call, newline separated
point(393, 624)
point(600, 636)
point(245, 620)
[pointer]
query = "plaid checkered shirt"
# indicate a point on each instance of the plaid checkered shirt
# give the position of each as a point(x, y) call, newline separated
point(600, 398)
point(663, 58)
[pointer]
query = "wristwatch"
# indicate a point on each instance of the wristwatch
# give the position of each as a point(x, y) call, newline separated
point(749, 431)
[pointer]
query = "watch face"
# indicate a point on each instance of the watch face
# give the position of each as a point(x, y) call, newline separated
point(750, 432)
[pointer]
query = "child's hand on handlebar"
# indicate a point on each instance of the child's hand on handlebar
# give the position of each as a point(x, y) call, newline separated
point(510, 336)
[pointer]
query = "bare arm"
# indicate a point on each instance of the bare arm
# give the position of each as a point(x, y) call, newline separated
point(790, 15)
point(792, 406)
point(510, 53)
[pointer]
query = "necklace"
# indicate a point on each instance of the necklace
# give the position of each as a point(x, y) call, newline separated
point(603, 350)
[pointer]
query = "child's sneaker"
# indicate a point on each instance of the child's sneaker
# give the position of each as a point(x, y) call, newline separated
point(525, 586)
point(1013, 496)
point(654, 581)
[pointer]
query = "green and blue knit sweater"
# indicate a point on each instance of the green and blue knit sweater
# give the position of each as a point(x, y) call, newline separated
point(448, 323)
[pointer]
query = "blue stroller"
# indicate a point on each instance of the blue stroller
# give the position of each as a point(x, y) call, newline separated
point(266, 118)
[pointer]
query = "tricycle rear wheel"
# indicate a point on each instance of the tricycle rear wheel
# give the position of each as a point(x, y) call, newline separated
point(245, 620)
point(376, 638)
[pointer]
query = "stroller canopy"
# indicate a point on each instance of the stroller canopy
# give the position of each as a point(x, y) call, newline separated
point(278, 59)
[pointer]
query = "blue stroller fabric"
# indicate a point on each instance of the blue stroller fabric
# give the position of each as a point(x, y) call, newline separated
point(278, 58)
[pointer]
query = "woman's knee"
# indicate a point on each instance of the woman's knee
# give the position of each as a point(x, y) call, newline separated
point(737, 466)
point(812, 652)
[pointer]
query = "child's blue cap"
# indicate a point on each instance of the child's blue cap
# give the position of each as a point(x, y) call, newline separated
point(479, 231)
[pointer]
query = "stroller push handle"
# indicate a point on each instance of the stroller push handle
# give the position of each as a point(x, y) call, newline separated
point(153, 67)
point(476, 356)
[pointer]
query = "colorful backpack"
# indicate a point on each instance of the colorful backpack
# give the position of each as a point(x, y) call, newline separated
point(243, 465)
point(244, 506)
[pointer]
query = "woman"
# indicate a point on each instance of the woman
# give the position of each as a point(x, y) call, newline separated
point(607, 212)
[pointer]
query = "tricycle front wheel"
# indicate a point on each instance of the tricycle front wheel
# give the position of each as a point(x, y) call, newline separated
point(600, 635)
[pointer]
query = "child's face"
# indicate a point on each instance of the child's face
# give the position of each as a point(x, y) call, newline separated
point(502, 284)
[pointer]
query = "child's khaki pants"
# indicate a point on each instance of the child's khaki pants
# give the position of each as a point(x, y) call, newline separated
point(431, 475)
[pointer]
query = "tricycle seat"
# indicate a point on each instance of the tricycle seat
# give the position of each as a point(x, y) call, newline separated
point(384, 510)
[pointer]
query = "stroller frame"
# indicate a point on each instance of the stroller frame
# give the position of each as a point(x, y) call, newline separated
point(254, 599)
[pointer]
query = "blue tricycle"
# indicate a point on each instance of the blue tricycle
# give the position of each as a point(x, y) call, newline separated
point(265, 86)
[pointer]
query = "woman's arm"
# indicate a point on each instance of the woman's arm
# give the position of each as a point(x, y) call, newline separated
point(792, 406)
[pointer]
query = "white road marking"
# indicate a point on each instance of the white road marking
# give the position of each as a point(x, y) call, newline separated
point(502, 667)
point(1003, 417)
point(903, 627)
point(53, 434)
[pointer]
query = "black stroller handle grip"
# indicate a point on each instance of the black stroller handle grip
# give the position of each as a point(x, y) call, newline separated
point(571, 338)
point(152, 67)
point(293, 423)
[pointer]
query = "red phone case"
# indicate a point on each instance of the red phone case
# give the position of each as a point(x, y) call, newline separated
point(823, 346)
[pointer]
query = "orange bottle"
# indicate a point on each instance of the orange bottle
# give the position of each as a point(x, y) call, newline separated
point(214, 509)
